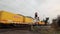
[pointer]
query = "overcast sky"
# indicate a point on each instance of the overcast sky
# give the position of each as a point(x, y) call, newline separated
point(45, 8)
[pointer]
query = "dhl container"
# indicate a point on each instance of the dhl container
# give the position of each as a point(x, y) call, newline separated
point(7, 17)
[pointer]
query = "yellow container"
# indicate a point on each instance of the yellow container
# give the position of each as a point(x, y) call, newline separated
point(7, 17)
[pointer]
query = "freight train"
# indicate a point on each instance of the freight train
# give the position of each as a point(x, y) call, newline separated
point(7, 18)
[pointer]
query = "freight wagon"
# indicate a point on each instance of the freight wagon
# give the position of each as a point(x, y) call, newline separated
point(10, 19)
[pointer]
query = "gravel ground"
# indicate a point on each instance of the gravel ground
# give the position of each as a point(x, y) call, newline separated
point(16, 31)
point(37, 30)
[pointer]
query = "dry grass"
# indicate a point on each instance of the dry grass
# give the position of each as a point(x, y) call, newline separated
point(46, 31)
